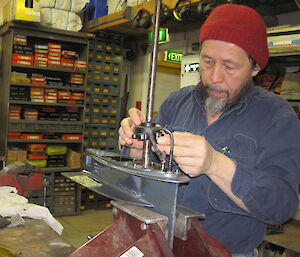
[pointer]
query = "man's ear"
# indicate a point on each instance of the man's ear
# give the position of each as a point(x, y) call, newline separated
point(256, 70)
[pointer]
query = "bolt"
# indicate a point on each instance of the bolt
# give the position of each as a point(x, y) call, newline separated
point(144, 226)
point(114, 210)
point(90, 237)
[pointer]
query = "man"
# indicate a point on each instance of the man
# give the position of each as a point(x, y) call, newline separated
point(240, 144)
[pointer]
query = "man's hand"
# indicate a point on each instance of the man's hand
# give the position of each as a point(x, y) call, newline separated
point(136, 117)
point(193, 154)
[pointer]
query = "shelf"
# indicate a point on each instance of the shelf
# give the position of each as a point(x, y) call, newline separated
point(46, 86)
point(45, 126)
point(47, 122)
point(48, 68)
point(121, 22)
point(45, 130)
point(102, 125)
point(44, 141)
point(284, 50)
point(50, 104)
point(34, 29)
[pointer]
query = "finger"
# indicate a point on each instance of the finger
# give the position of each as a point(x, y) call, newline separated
point(187, 139)
point(137, 144)
point(180, 138)
point(121, 141)
point(136, 116)
point(127, 127)
point(189, 161)
point(125, 136)
point(181, 151)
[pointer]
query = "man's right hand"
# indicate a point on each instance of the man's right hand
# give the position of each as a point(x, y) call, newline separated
point(136, 117)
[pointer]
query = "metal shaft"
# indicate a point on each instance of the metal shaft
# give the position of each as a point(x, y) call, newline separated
point(152, 81)
point(152, 78)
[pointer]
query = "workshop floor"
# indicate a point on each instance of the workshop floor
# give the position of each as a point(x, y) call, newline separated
point(90, 222)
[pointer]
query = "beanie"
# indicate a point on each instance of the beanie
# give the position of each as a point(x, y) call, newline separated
point(240, 25)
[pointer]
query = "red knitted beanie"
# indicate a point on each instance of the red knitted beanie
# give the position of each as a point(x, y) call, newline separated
point(239, 25)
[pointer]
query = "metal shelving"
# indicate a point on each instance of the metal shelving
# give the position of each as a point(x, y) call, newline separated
point(47, 86)
point(49, 104)
point(48, 69)
point(70, 41)
point(55, 141)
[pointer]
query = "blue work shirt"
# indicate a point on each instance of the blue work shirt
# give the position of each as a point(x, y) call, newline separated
point(262, 134)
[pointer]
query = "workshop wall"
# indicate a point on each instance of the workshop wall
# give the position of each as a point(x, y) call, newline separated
point(165, 83)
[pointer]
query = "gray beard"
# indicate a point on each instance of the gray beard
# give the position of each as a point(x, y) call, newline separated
point(214, 106)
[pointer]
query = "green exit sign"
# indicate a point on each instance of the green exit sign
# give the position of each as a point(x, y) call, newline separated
point(163, 36)
point(172, 56)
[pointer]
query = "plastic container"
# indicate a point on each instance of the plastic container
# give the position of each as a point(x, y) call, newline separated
point(95, 9)
point(56, 150)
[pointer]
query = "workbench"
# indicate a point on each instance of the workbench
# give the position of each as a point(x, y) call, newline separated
point(289, 239)
point(35, 238)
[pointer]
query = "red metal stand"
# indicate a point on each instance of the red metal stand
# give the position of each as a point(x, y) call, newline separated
point(198, 244)
point(138, 232)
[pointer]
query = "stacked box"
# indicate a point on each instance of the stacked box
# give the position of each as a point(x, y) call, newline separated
point(38, 79)
point(50, 95)
point(19, 77)
point(36, 152)
point(22, 59)
point(102, 113)
point(54, 55)
point(14, 112)
point(37, 94)
point(73, 159)
point(31, 114)
point(15, 155)
point(41, 55)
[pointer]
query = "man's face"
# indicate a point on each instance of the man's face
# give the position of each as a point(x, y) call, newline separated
point(226, 71)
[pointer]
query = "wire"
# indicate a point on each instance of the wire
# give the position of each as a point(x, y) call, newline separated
point(116, 7)
point(171, 147)
point(169, 166)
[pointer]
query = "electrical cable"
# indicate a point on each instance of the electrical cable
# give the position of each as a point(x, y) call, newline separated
point(169, 166)
point(116, 7)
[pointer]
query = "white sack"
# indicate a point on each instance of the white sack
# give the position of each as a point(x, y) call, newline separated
point(11, 204)
point(67, 5)
point(60, 19)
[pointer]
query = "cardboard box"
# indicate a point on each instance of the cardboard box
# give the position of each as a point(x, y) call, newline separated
point(12, 156)
point(73, 159)
point(72, 155)
point(17, 10)
point(22, 155)
point(16, 155)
